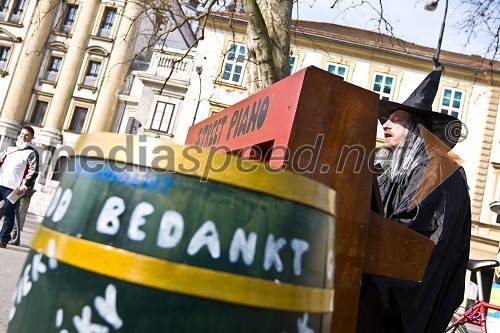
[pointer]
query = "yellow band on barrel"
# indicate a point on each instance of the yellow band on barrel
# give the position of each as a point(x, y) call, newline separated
point(183, 279)
point(227, 168)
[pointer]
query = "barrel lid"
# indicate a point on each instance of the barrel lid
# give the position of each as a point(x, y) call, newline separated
point(207, 164)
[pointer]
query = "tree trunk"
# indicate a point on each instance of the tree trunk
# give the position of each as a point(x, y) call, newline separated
point(268, 42)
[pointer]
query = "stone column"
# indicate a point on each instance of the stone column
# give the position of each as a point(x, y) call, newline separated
point(116, 71)
point(9, 130)
point(68, 76)
point(25, 74)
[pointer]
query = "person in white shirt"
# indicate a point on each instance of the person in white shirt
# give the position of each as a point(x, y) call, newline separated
point(18, 172)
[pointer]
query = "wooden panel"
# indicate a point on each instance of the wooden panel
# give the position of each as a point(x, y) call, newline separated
point(343, 118)
point(327, 128)
point(394, 250)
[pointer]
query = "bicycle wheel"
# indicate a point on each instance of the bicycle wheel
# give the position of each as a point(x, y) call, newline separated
point(456, 329)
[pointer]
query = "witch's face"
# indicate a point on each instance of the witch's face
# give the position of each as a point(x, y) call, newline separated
point(394, 128)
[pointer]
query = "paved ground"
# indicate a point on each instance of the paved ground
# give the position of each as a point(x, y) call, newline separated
point(12, 259)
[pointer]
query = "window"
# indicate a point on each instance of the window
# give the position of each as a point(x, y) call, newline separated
point(216, 107)
point(91, 74)
point(4, 56)
point(4, 8)
point(383, 85)
point(234, 64)
point(18, 10)
point(78, 119)
point(39, 113)
point(53, 69)
point(107, 22)
point(60, 168)
point(69, 18)
point(293, 63)
point(451, 102)
point(337, 69)
point(162, 117)
point(344, 68)
point(12, 10)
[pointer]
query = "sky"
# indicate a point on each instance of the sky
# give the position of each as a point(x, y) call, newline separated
point(410, 21)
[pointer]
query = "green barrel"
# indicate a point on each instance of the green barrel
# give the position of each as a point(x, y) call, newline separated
point(146, 236)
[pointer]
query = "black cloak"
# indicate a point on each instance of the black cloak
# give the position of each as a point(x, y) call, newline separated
point(395, 305)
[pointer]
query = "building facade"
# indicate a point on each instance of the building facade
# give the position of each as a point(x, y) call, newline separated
point(214, 77)
point(63, 64)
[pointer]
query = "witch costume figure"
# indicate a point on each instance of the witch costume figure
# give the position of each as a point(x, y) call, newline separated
point(442, 213)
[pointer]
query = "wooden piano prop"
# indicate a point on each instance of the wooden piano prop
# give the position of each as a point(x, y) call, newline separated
point(316, 124)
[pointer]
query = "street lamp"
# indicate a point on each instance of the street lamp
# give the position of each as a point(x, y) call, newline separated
point(199, 70)
point(431, 6)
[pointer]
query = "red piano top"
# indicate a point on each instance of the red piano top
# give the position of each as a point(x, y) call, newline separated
point(264, 119)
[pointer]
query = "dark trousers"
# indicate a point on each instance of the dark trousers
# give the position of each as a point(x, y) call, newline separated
point(9, 211)
point(378, 309)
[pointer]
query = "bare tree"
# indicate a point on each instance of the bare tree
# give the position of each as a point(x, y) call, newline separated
point(270, 25)
point(483, 19)
point(268, 42)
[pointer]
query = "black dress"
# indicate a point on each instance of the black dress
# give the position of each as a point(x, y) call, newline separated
point(395, 305)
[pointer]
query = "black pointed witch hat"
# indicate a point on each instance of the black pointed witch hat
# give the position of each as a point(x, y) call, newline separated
point(445, 127)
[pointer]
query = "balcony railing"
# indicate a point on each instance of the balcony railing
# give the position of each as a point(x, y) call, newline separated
point(166, 61)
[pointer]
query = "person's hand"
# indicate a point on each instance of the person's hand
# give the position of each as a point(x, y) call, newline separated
point(22, 189)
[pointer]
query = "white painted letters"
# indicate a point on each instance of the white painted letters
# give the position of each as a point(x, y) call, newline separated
point(106, 307)
point(302, 324)
point(241, 244)
point(83, 324)
point(171, 230)
point(207, 236)
point(108, 222)
point(271, 255)
point(63, 205)
point(38, 267)
point(330, 265)
point(54, 202)
point(299, 246)
point(51, 253)
point(59, 317)
point(137, 219)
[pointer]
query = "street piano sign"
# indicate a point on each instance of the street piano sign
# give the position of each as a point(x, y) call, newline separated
point(266, 117)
